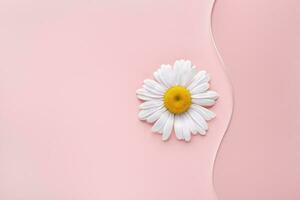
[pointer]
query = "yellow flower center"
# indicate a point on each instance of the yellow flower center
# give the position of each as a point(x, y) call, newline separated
point(177, 99)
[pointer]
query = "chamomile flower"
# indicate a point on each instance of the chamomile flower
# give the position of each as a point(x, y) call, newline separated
point(177, 99)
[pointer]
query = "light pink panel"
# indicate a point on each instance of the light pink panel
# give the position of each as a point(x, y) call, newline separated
point(260, 157)
point(68, 112)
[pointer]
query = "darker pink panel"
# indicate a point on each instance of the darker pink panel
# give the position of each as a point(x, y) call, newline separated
point(259, 41)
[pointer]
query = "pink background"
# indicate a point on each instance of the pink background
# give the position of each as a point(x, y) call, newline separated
point(68, 75)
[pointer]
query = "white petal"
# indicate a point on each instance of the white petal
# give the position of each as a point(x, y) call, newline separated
point(204, 112)
point(191, 124)
point(178, 127)
point(198, 119)
point(184, 72)
point(186, 130)
point(168, 127)
point(156, 75)
point(143, 114)
point(162, 78)
point(206, 95)
point(201, 77)
point(156, 115)
point(179, 65)
point(188, 77)
point(187, 64)
point(152, 91)
point(198, 129)
point(200, 88)
point(154, 87)
point(172, 76)
point(178, 69)
point(153, 84)
point(146, 93)
point(151, 104)
point(167, 75)
point(187, 73)
point(204, 102)
point(145, 98)
point(161, 122)
point(162, 75)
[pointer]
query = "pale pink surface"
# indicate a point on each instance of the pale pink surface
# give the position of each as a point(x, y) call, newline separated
point(260, 157)
point(69, 127)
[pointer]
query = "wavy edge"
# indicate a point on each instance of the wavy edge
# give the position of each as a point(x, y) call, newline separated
point(230, 88)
